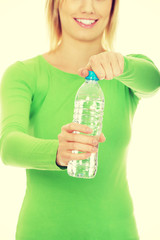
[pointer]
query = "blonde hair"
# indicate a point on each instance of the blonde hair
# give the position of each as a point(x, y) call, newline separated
point(54, 24)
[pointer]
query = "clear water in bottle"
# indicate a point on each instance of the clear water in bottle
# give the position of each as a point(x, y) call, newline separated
point(88, 110)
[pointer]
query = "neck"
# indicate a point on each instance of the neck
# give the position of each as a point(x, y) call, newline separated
point(76, 52)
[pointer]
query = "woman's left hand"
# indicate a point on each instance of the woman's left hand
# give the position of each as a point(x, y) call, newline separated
point(106, 65)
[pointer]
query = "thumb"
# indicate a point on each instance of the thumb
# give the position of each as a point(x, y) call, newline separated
point(102, 138)
point(84, 71)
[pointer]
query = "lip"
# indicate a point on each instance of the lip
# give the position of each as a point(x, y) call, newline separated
point(84, 25)
point(87, 18)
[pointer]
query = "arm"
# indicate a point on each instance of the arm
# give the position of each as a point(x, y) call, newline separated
point(141, 75)
point(18, 148)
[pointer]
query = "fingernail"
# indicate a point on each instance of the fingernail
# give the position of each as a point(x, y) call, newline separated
point(88, 155)
point(89, 130)
point(95, 142)
point(83, 72)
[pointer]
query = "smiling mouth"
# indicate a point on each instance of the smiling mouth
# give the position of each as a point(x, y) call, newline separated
point(84, 25)
point(86, 19)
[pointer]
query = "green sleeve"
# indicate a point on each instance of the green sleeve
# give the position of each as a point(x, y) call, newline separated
point(141, 75)
point(17, 147)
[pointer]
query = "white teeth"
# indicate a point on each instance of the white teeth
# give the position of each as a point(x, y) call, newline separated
point(86, 21)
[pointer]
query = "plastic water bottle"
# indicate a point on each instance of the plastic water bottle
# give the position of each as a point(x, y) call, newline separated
point(88, 110)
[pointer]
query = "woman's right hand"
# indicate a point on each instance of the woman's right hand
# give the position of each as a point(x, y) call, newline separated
point(69, 141)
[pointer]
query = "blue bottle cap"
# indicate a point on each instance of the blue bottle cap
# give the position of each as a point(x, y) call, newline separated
point(92, 76)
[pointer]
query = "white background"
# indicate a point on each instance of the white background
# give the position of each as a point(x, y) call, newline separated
point(24, 35)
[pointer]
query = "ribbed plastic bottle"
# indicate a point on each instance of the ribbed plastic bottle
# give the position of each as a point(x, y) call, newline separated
point(88, 110)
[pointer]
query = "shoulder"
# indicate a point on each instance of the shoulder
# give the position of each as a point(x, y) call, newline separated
point(21, 71)
point(28, 66)
point(138, 56)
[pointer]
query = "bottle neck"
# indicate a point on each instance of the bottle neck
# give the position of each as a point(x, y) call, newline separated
point(91, 81)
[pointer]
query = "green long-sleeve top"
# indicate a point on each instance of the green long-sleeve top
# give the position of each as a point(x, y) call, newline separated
point(37, 99)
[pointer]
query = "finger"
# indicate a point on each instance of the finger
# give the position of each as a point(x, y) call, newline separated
point(105, 63)
point(83, 72)
point(73, 126)
point(81, 147)
point(94, 64)
point(90, 140)
point(102, 138)
point(97, 67)
point(115, 65)
point(120, 59)
point(76, 156)
point(69, 156)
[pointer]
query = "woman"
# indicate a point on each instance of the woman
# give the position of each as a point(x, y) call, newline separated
point(37, 101)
